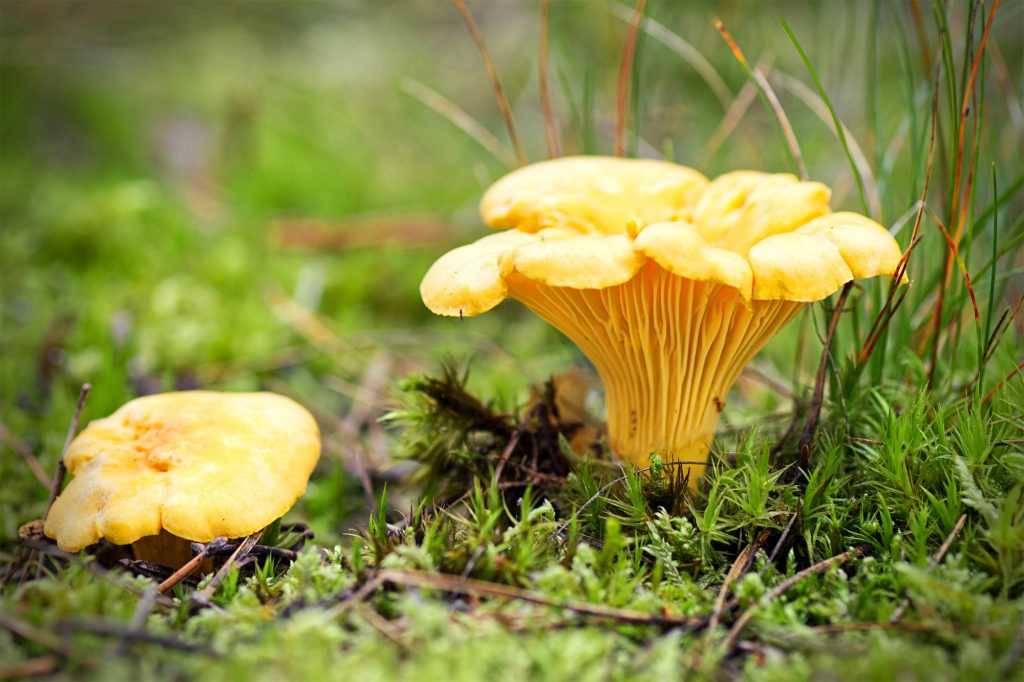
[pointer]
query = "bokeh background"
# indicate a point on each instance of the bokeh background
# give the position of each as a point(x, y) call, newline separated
point(245, 195)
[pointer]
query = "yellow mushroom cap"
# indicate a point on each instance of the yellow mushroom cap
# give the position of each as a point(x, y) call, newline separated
point(669, 283)
point(197, 464)
point(592, 222)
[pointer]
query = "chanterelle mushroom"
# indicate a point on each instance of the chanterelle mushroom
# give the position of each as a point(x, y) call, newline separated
point(669, 283)
point(196, 465)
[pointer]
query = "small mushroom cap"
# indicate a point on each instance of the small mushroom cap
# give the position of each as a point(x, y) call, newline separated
point(198, 464)
point(593, 222)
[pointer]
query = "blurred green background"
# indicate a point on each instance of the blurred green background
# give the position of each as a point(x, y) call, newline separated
point(245, 195)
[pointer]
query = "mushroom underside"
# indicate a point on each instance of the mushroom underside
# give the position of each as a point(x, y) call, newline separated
point(667, 348)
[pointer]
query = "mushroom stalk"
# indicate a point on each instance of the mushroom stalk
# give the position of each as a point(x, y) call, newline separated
point(667, 348)
point(164, 549)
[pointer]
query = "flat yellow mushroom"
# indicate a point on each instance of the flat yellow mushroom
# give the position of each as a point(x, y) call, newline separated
point(192, 465)
point(669, 283)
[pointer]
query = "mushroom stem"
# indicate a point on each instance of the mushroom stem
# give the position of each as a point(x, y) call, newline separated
point(164, 549)
point(668, 350)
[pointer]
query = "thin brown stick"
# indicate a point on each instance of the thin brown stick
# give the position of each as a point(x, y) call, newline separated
point(814, 411)
point(25, 453)
point(191, 566)
point(780, 589)
point(782, 538)
point(58, 479)
point(739, 566)
point(625, 69)
point(936, 559)
point(492, 73)
point(31, 667)
point(481, 588)
point(550, 128)
point(999, 330)
point(1015, 370)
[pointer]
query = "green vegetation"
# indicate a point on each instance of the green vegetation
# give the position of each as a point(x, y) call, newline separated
point(245, 197)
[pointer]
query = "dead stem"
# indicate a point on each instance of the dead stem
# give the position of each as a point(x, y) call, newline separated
point(25, 453)
point(550, 127)
point(936, 559)
point(955, 213)
point(884, 316)
point(814, 411)
point(625, 69)
point(782, 588)
point(237, 557)
point(1015, 370)
point(738, 568)
point(782, 538)
point(492, 73)
point(58, 478)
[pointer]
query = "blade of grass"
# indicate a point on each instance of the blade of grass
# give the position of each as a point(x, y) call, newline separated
point(840, 128)
point(992, 280)
point(733, 115)
point(684, 50)
point(625, 71)
point(460, 119)
point(821, 110)
point(956, 213)
point(492, 73)
point(881, 322)
point(787, 139)
point(550, 128)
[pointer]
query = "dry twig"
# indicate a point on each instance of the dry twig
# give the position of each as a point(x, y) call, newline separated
point(782, 588)
point(58, 478)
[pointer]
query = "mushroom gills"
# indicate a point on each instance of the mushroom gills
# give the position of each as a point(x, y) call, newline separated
point(668, 350)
